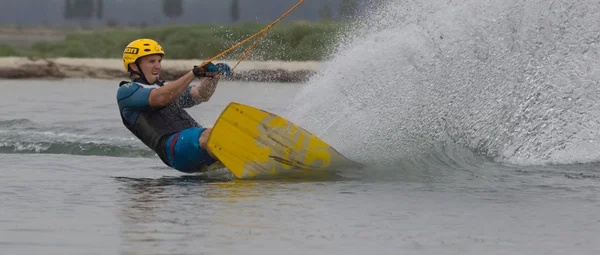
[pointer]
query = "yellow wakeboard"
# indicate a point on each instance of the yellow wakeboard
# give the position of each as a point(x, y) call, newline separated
point(253, 143)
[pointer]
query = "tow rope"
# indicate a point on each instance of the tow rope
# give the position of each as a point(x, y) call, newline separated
point(262, 33)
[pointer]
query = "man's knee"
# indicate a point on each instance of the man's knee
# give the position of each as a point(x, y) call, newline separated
point(204, 138)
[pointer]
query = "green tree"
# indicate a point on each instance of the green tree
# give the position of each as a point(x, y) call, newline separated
point(234, 10)
point(348, 8)
point(83, 9)
point(173, 8)
point(99, 9)
point(69, 12)
point(325, 12)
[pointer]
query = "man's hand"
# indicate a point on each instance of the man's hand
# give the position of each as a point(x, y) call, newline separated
point(223, 69)
point(210, 69)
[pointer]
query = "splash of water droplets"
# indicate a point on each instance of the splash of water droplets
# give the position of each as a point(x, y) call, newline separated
point(512, 80)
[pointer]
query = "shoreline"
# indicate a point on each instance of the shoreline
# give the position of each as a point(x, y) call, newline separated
point(99, 68)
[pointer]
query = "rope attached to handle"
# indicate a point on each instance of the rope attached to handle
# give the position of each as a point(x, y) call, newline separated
point(262, 33)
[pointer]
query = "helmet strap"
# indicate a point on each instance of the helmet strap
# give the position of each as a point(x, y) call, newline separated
point(140, 73)
point(142, 77)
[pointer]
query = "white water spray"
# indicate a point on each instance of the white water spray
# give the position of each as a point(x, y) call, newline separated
point(513, 80)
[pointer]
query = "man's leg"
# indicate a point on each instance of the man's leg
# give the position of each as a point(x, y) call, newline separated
point(203, 140)
point(185, 153)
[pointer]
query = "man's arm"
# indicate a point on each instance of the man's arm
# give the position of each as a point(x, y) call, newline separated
point(133, 99)
point(168, 93)
point(205, 90)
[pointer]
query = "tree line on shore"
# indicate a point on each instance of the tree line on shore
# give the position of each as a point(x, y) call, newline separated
point(288, 41)
point(83, 10)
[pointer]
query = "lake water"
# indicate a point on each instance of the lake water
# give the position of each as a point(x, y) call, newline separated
point(73, 180)
point(478, 123)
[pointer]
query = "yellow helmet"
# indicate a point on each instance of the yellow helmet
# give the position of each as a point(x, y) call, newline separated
point(138, 49)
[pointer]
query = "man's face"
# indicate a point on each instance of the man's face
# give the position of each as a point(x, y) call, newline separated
point(150, 67)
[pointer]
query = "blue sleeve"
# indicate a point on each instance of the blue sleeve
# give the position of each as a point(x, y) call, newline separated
point(186, 100)
point(132, 99)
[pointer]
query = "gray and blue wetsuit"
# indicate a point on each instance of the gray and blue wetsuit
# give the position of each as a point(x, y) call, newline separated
point(170, 131)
